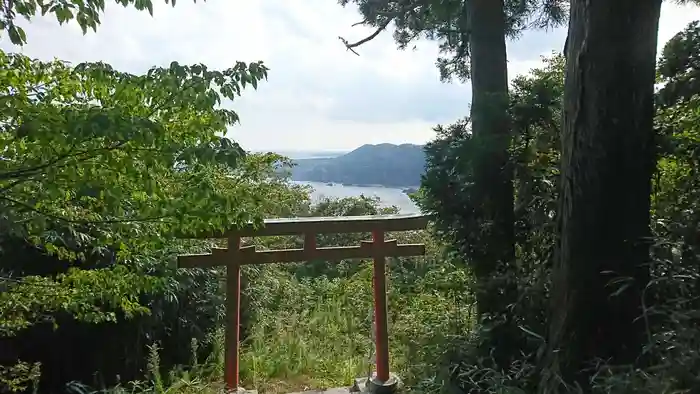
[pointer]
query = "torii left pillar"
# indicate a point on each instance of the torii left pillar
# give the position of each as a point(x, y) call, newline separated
point(233, 313)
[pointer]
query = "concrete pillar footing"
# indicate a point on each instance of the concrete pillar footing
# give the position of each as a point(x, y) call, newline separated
point(375, 386)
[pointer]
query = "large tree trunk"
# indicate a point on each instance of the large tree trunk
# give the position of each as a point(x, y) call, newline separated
point(493, 173)
point(607, 165)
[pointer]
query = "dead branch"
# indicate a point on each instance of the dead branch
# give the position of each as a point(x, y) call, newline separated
point(347, 45)
point(370, 37)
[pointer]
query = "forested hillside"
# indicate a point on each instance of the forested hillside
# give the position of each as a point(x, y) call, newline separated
point(562, 255)
point(382, 164)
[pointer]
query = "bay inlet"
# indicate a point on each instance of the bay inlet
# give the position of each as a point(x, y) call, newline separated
point(388, 196)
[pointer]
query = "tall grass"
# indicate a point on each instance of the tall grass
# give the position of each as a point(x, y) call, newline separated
point(320, 341)
point(317, 333)
point(325, 338)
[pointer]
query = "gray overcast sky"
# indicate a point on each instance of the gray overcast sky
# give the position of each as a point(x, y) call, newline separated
point(318, 96)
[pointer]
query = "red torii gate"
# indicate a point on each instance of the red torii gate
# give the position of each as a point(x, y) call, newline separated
point(378, 248)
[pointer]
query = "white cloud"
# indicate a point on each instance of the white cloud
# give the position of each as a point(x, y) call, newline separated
point(318, 96)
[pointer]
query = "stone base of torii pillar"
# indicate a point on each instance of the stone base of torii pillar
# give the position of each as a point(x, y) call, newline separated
point(375, 386)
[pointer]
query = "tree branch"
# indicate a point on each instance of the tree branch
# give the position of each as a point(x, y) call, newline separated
point(80, 156)
point(369, 38)
point(59, 218)
point(16, 182)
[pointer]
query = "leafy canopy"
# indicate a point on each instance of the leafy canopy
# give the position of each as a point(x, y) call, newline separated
point(85, 12)
point(447, 22)
point(677, 188)
point(103, 167)
point(104, 155)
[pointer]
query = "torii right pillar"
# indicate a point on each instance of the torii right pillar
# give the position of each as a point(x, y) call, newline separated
point(383, 381)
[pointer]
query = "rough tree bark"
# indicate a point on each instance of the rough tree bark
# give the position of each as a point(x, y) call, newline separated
point(606, 170)
point(490, 126)
point(493, 173)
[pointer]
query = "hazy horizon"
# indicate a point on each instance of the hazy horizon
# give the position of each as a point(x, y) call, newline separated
point(321, 153)
point(305, 154)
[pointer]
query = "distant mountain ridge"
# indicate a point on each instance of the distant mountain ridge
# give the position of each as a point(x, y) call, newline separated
point(309, 154)
point(382, 164)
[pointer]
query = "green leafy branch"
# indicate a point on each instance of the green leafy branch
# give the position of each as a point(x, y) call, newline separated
point(88, 295)
point(86, 12)
point(100, 150)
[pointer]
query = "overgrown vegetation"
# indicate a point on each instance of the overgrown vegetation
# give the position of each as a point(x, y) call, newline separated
point(101, 170)
point(669, 349)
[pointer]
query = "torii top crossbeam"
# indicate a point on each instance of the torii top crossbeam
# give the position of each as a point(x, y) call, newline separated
point(323, 225)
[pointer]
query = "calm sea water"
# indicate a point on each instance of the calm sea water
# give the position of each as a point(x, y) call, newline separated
point(387, 195)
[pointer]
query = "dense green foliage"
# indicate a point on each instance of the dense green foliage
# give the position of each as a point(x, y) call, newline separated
point(93, 148)
point(536, 104)
point(383, 164)
point(102, 167)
